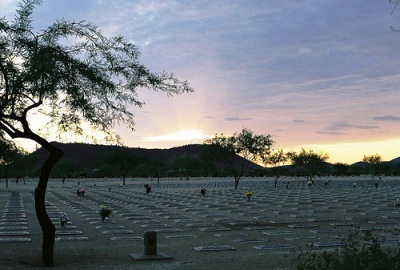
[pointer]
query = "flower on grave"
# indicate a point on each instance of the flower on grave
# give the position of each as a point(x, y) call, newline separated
point(203, 191)
point(104, 212)
point(81, 192)
point(148, 188)
point(249, 194)
point(64, 219)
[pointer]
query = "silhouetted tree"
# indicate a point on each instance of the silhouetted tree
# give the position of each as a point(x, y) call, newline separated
point(252, 147)
point(75, 75)
point(341, 168)
point(312, 163)
point(374, 161)
point(123, 161)
point(188, 165)
point(8, 154)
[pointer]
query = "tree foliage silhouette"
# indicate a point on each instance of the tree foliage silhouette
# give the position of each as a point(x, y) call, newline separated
point(75, 75)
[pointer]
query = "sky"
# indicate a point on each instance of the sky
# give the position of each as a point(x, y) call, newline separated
point(320, 75)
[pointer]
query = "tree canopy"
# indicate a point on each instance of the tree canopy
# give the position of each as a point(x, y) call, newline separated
point(310, 162)
point(373, 161)
point(76, 76)
point(79, 74)
point(251, 146)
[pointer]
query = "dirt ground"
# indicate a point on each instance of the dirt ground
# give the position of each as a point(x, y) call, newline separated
point(95, 248)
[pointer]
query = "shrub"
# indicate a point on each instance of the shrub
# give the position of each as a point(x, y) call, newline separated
point(368, 255)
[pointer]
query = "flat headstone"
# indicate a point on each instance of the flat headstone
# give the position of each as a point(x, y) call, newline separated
point(126, 238)
point(301, 238)
point(226, 219)
point(259, 228)
point(13, 219)
point(286, 212)
point(149, 221)
point(177, 217)
point(143, 257)
point(329, 244)
point(13, 228)
point(157, 225)
point(322, 219)
point(66, 227)
point(364, 218)
point(89, 215)
point(14, 214)
point(279, 233)
point(394, 216)
point(97, 217)
point(131, 215)
point(384, 242)
point(241, 223)
point(14, 239)
point(282, 221)
point(68, 232)
point(214, 229)
point(320, 211)
point(187, 220)
point(213, 248)
point(118, 232)
point(230, 234)
point(383, 222)
point(250, 240)
point(271, 247)
point(367, 228)
point(179, 236)
point(167, 230)
point(71, 238)
point(109, 226)
point(13, 233)
point(326, 231)
point(200, 225)
point(342, 224)
point(136, 218)
point(106, 221)
point(213, 215)
point(302, 226)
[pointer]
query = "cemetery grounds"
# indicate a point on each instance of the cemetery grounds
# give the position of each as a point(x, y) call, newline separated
point(221, 230)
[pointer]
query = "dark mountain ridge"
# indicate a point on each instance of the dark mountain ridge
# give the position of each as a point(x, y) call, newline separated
point(90, 155)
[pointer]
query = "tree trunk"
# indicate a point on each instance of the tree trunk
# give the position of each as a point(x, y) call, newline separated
point(5, 172)
point(48, 227)
point(236, 182)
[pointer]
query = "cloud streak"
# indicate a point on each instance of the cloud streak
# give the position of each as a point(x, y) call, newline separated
point(389, 118)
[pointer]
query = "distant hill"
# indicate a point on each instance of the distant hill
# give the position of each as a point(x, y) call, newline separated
point(89, 155)
point(395, 161)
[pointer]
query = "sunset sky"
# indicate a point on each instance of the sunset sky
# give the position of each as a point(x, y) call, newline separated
point(323, 75)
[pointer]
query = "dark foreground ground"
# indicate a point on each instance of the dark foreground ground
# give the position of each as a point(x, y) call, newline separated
point(222, 230)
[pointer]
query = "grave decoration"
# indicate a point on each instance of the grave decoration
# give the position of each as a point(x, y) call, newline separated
point(64, 219)
point(81, 192)
point(148, 189)
point(249, 194)
point(105, 212)
point(397, 203)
